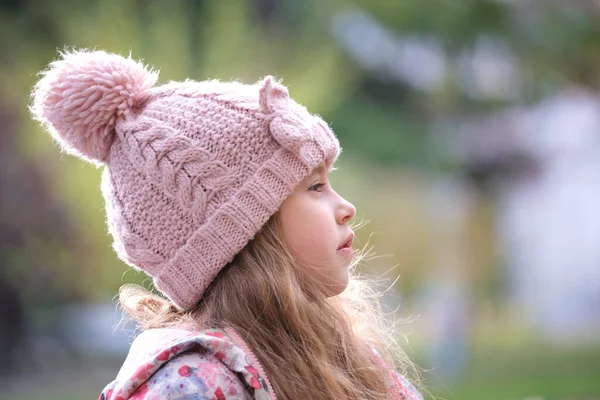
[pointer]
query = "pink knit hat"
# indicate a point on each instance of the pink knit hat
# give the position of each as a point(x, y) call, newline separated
point(193, 169)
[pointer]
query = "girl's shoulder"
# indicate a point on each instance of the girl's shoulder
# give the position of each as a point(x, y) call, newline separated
point(180, 364)
point(403, 389)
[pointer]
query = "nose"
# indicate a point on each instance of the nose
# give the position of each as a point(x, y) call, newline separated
point(345, 211)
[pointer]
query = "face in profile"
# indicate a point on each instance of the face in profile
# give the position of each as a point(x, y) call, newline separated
point(314, 224)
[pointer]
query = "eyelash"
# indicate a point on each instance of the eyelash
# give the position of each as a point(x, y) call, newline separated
point(317, 187)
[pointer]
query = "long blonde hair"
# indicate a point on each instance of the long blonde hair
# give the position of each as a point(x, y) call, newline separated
point(310, 347)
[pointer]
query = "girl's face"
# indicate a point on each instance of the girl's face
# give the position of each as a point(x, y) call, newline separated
point(314, 225)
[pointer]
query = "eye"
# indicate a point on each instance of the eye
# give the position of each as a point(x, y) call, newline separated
point(317, 187)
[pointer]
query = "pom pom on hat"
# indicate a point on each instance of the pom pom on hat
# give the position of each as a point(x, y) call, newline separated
point(81, 96)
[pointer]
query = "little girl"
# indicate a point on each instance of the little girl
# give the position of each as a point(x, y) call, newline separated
point(220, 192)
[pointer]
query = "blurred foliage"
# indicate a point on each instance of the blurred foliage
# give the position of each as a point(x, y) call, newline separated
point(54, 245)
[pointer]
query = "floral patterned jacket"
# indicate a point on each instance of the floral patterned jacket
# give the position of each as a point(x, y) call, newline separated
point(176, 364)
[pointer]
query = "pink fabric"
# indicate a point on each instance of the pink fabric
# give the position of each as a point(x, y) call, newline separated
point(403, 389)
point(193, 169)
point(171, 364)
point(179, 364)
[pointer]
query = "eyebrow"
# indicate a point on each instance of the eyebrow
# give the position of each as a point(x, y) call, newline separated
point(318, 171)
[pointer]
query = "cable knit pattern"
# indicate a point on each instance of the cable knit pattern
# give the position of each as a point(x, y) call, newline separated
point(193, 169)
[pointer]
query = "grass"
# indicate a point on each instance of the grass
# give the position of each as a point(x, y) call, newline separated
point(532, 372)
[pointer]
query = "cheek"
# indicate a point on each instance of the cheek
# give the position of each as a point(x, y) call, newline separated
point(307, 234)
point(302, 233)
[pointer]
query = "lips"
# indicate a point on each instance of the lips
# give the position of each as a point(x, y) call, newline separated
point(348, 242)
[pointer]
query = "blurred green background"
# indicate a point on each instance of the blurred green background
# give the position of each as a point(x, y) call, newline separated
point(470, 129)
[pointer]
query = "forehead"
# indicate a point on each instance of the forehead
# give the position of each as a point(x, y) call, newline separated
point(320, 170)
